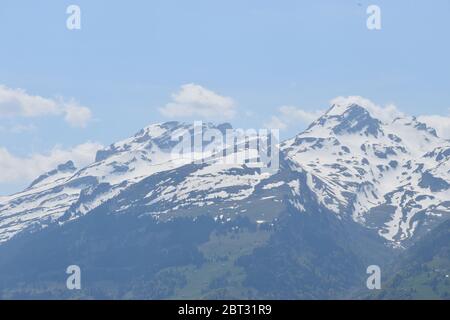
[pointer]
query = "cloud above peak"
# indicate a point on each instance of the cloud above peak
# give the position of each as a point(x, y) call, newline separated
point(193, 100)
point(390, 112)
point(290, 115)
point(384, 113)
point(438, 122)
point(19, 103)
point(76, 115)
point(17, 169)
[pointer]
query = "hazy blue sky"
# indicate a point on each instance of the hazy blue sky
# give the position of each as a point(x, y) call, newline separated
point(130, 57)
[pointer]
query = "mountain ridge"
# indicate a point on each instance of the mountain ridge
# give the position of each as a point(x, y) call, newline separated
point(370, 168)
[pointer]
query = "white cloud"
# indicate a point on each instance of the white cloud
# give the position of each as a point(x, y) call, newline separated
point(16, 169)
point(440, 123)
point(18, 103)
point(276, 123)
point(77, 116)
point(290, 115)
point(196, 101)
point(297, 114)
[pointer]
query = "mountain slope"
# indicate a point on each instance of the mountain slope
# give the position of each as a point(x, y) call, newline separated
point(201, 253)
point(423, 272)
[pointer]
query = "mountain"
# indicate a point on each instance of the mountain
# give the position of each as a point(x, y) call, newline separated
point(160, 215)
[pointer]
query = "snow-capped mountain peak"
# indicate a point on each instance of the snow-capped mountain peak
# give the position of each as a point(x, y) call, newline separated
point(391, 175)
point(346, 119)
point(395, 166)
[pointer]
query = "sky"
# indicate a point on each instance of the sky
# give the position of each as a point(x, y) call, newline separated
point(255, 63)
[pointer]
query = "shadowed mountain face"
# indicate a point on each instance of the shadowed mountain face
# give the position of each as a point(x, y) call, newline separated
point(351, 191)
point(423, 272)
